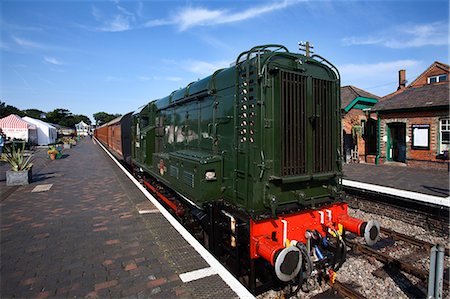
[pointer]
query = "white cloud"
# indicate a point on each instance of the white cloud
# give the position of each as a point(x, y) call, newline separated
point(172, 79)
point(159, 78)
point(367, 69)
point(411, 36)
point(124, 11)
point(20, 27)
point(113, 79)
point(140, 9)
point(28, 44)
point(205, 68)
point(122, 20)
point(157, 22)
point(379, 78)
point(4, 46)
point(144, 78)
point(184, 18)
point(190, 17)
point(52, 60)
point(96, 13)
point(198, 16)
point(117, 24)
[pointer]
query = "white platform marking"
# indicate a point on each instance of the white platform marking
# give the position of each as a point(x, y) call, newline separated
point(42, 188)
point(149, 211)
point(443, 201)
point(197, 274)
point(227, 277)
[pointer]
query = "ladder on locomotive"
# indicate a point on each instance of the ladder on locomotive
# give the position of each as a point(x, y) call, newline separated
point(248, 71)
point(245, 77)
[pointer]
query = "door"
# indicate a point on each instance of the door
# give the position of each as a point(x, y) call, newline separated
point(397, 142)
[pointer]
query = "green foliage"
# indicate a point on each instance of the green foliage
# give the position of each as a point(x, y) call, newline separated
point(64, 117)
point(60, 116)
point(6, 110)
point(34, 113)
point(52, 150)
point(356, 131)
point(15, 157)
point(103, 117)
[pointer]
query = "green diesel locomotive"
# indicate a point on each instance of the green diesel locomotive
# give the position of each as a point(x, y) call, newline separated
point(252, 156)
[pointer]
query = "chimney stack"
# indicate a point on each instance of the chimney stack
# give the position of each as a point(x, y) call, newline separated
point(401, 79)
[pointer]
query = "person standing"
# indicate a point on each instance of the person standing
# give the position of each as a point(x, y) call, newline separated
point(2, 141)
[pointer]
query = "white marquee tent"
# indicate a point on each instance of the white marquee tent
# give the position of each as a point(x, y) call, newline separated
point(82, 128)
point(14, 127)
point(46, 133)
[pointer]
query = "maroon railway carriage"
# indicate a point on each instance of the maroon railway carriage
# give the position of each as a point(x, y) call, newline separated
point(116, 136)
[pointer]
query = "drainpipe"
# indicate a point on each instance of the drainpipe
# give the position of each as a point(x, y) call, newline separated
point(379, 139)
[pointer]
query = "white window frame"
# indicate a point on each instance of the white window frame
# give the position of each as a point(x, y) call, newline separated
point(437, 77)
point(444, 126)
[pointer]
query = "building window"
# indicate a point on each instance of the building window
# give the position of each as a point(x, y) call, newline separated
point(444, 135)
point(420, 136)
point(438, 78)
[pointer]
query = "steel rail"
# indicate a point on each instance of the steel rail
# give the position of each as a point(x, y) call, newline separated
point(399, 236)
point(389, 260)
point(345, 291)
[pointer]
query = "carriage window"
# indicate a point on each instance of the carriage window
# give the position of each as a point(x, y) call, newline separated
point(159, 126)
point(144, 122)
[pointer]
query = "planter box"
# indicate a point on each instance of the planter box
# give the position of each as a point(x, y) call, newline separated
point(18, 178)
point(67, 145)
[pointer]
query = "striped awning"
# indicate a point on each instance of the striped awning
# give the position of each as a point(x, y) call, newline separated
point(14, 121)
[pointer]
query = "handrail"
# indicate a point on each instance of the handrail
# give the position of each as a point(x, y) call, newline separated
point(186, 92)
point(212, 82)
point(260, 49)
point(329, 64)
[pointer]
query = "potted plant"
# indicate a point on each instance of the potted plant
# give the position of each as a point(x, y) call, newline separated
point(67, 142)
point(52, 152)
point(21, 166)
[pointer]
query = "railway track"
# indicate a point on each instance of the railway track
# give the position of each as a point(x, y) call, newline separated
point(345, 291)
point(411, 240)
point(395, 263)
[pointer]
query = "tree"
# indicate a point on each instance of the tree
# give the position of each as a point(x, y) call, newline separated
point(34, 113)
point(103, 117)
point(58, 115)
point(84, 118)
point(72, 119)
point(6, 110)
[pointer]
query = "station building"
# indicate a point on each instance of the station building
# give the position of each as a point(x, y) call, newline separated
point(414, 122)
point(359, 133)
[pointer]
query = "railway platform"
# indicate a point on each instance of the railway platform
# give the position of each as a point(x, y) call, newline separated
point(91, 232)
point(426, 185)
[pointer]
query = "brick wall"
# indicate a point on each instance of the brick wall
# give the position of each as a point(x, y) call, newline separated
point(351, 116)
point(437, 224)
point(415, 157)
point(434, 71)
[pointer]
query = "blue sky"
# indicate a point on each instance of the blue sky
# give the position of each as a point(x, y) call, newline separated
point(116, 56)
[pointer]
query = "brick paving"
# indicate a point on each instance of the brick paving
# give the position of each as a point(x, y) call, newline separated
point(85, 238)
point(427, 181)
